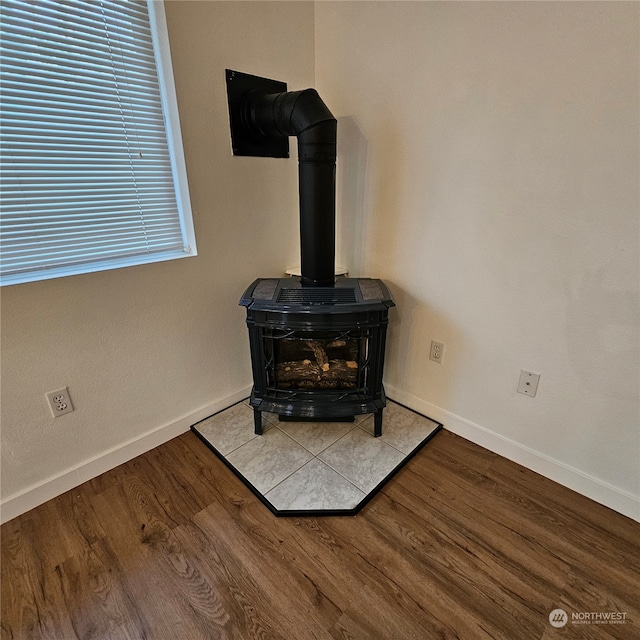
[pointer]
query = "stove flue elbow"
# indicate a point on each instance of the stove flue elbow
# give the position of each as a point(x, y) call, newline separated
point(260, 119)
point(291, 113)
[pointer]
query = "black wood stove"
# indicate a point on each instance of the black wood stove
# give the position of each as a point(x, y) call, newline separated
point(317, 353)
point(317, 342)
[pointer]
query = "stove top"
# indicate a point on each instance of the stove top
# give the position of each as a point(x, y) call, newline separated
point(288, 294)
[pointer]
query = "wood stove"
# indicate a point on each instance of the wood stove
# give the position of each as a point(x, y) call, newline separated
point(317, 343)
point(317, 353)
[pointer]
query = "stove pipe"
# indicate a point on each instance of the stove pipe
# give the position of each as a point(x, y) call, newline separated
point(303, 114)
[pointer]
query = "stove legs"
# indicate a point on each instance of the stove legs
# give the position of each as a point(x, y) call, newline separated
point(377, 423)
point(257, 422)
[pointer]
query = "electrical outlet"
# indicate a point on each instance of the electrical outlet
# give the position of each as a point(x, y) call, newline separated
point(528, 383)
point(59, 402)
point(437, 351)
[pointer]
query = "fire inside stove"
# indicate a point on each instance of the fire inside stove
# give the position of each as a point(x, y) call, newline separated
point(317, 363)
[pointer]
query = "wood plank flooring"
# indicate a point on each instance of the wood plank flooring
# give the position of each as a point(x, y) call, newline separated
point(460, 544)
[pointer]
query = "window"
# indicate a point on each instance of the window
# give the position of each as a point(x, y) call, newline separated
point(93, 173)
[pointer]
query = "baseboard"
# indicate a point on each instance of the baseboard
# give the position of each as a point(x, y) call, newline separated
point(31, 497)
point(585, 484)
point(617, 499)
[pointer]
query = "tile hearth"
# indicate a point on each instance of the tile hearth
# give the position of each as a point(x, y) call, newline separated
point(315, 468)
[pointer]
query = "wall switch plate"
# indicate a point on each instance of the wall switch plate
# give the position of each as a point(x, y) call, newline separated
point(528, 383)
point(59, 402)
point(437, 351)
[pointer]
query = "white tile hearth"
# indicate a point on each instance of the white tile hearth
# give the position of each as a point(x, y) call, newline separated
point(299, 468)
point(403, 429)
point(268, 459)
point(315, 486)
point(369, 459)
point(230, 429)
point(316, 436)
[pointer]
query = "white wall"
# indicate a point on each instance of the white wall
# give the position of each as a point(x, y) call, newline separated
point(488, 171)
point(146, 351)
point(489, 154)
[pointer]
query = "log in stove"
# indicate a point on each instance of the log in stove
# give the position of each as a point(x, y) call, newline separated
point(317, 343)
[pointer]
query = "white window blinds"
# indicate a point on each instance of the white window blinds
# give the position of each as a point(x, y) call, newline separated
point(92, 166)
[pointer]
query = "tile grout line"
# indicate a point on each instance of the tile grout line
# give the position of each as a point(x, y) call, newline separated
point(275, 426)
point(317, 457)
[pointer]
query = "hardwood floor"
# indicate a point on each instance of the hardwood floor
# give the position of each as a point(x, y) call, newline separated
point(460, 544)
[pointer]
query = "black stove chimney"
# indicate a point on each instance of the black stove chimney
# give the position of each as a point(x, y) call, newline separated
point(260, 119)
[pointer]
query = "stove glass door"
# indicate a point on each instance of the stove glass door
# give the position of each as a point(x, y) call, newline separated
point(316, 361)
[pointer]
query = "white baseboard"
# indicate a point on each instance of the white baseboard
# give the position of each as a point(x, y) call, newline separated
point(585, 484)
point(32, 496)
point(617, 499)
